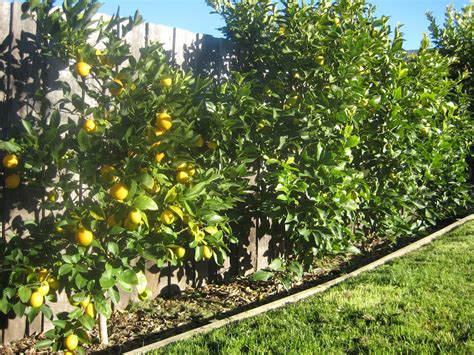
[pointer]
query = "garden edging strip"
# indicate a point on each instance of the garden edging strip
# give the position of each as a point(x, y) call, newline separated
point(213, 324)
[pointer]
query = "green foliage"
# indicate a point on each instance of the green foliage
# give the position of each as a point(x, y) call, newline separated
point(353, 137)
point(455, 40)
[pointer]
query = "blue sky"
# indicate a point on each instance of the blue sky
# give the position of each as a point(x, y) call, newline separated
point(194, 15)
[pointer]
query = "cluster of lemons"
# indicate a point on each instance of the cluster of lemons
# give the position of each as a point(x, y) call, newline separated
point(47, 284)
point(10, 162)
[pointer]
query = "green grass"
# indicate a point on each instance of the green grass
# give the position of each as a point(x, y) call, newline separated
point(421, 303)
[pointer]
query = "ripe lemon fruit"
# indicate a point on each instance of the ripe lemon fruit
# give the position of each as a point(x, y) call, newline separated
point(337, 22)
point(166, 82)
point(192, 172)
point(83, 69)
point(144, 295)
point(10, 161)
point(159, 157)
point(84, 237)
point(44, 288)
point(116, 88)
point(180, 252)
point(53, 283)
point(182, 177)
point(212, 145)
point(36, 299)
point(167, 217)
point(12, 181)
point(163, 121)
point(85, 302)
point(69, 352)
point(207, 252)
point(90, 310)
point(319, 59)
point(119, 191)
point(71, 342)
point(107, 173)
point(281, 30)
point(129, 225)
point(181, 166)
point(135, 216)
point(90, 126)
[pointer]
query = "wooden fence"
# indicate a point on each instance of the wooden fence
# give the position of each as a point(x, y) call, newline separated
point(20, 78)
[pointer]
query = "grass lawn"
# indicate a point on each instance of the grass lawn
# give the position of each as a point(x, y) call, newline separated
point(421, 303)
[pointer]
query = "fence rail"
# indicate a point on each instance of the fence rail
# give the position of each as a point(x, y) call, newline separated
point(20, 77)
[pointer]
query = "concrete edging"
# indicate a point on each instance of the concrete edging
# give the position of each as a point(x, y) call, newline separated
point(300, 295)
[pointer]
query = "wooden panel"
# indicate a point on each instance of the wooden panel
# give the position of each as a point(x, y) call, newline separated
point(161, 34)
point(5, 43)
point(184, 40)
point(136, 38)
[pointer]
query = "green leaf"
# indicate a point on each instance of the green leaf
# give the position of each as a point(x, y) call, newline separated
point(113, 248)
point(143, 202)
point(262, 275)
point(65, 269)
point(44, 343)
point(128, 277)
point(107, 281)
point(171, 195)
point(87, 321)
point(24, 293)
point(352, 141)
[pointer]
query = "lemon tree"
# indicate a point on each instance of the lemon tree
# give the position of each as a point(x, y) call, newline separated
point(131, 169)
point(353, 137)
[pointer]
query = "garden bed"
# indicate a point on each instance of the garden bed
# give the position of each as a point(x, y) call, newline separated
point(143, 323)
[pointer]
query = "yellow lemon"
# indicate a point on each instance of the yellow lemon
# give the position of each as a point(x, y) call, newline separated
point(337, 22)
point(320, 59)
point(182, 177)
point(90, 310)
point(119, 191)
point(207, 252)
point(10, 161)
point(181, 166)
point(36, 299)
point(116, 88)
point(71, 342)
point(129, 225)
point(83, 69)
point(135, 217)
point(44, 288)
point(84, 237)
point(12, 181)
point(167, 217)
point(159, 157)
point(90, 126)
point(192, 172)
point(163, 121)
point(166, 82)
point(180, 252)
point(107, 173)
point(212, 145)
point(85, 302)
point(281, 30)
